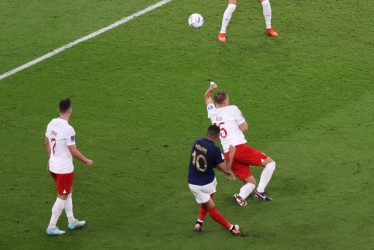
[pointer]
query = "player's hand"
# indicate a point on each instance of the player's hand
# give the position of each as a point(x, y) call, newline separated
point(230, 176)
point(89, 163)
point(213, 85)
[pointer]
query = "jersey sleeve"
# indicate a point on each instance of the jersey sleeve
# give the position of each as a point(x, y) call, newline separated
point(239, 117)
point(70, 136)
point(210, 108)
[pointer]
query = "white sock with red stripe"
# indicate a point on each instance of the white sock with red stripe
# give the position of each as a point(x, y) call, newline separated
point(69, 209)
point(267, 13)
point(266, 176)
point(227, 17)
point(246, 190)
point(56, 212)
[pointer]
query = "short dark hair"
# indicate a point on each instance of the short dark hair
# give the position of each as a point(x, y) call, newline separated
point(64, 105)
point(220, 97)
point(213, 131)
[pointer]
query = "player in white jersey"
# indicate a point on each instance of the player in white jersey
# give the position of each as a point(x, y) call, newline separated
point(232, 124)
point(266, 8)
point(60, 147)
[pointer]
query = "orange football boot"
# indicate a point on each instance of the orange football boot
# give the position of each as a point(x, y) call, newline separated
point(271, 32)
point(222, 37)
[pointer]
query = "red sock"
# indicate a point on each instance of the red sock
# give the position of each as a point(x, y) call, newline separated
point(203, 213)
point(203, 210)
point(219, 217)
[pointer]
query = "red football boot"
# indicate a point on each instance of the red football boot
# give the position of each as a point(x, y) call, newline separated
point(222, 37)
point(271, 32)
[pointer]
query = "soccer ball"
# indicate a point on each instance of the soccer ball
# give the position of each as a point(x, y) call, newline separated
point(196, 20)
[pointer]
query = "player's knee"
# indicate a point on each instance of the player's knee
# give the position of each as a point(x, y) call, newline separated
point(267, 161)
point(250, 179)
point(271, 165)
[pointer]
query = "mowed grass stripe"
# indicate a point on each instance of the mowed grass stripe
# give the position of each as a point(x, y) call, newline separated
point(92, 35)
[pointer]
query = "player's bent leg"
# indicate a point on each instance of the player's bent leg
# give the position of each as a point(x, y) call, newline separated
point(56, 212)
point(212, 210)
point(249, 179)
point(267, 173)
point(245, 191)
point(218, 217)
point(203, 197)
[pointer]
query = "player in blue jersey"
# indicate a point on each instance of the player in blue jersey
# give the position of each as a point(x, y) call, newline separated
point(205, 156)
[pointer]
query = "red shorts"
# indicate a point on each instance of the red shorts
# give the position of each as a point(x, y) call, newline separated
point(245, 156)
point(64, 182)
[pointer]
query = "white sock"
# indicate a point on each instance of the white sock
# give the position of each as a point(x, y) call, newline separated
point(266, 176)
point(267, 13)
point(246, 190)
point(69, 209)
point(56, 212)
point(227, 17)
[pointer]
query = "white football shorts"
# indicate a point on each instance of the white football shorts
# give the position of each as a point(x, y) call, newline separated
point(202, 193)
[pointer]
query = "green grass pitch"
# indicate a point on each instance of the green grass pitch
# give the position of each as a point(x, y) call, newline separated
point(137, 93)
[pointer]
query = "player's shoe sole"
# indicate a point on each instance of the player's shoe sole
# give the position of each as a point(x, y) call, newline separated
point(240, 201)
point(222, 37)
point(77, 224)
point(262, 196)
point(235, 230)
point(55, 231)
point(271, 32)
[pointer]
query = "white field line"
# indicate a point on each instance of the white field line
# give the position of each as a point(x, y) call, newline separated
point(92, 35)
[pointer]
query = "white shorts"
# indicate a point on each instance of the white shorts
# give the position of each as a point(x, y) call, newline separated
point(202, 193)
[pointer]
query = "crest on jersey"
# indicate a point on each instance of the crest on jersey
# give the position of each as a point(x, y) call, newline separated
point(210, 107)
point(72, 138)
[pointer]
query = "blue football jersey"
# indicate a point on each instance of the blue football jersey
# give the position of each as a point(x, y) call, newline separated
point(205, 156)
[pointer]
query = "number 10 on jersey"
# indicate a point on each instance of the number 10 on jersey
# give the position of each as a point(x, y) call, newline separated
point(195, 161)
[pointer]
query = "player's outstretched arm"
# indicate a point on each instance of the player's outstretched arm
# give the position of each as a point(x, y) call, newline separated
point(231, 157)
point(209, 92)
point(226, 166)
point(76, 154)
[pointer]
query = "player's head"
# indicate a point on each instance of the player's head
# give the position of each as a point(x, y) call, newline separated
point(213, 132)
point(65, 106)
point(221, 98)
